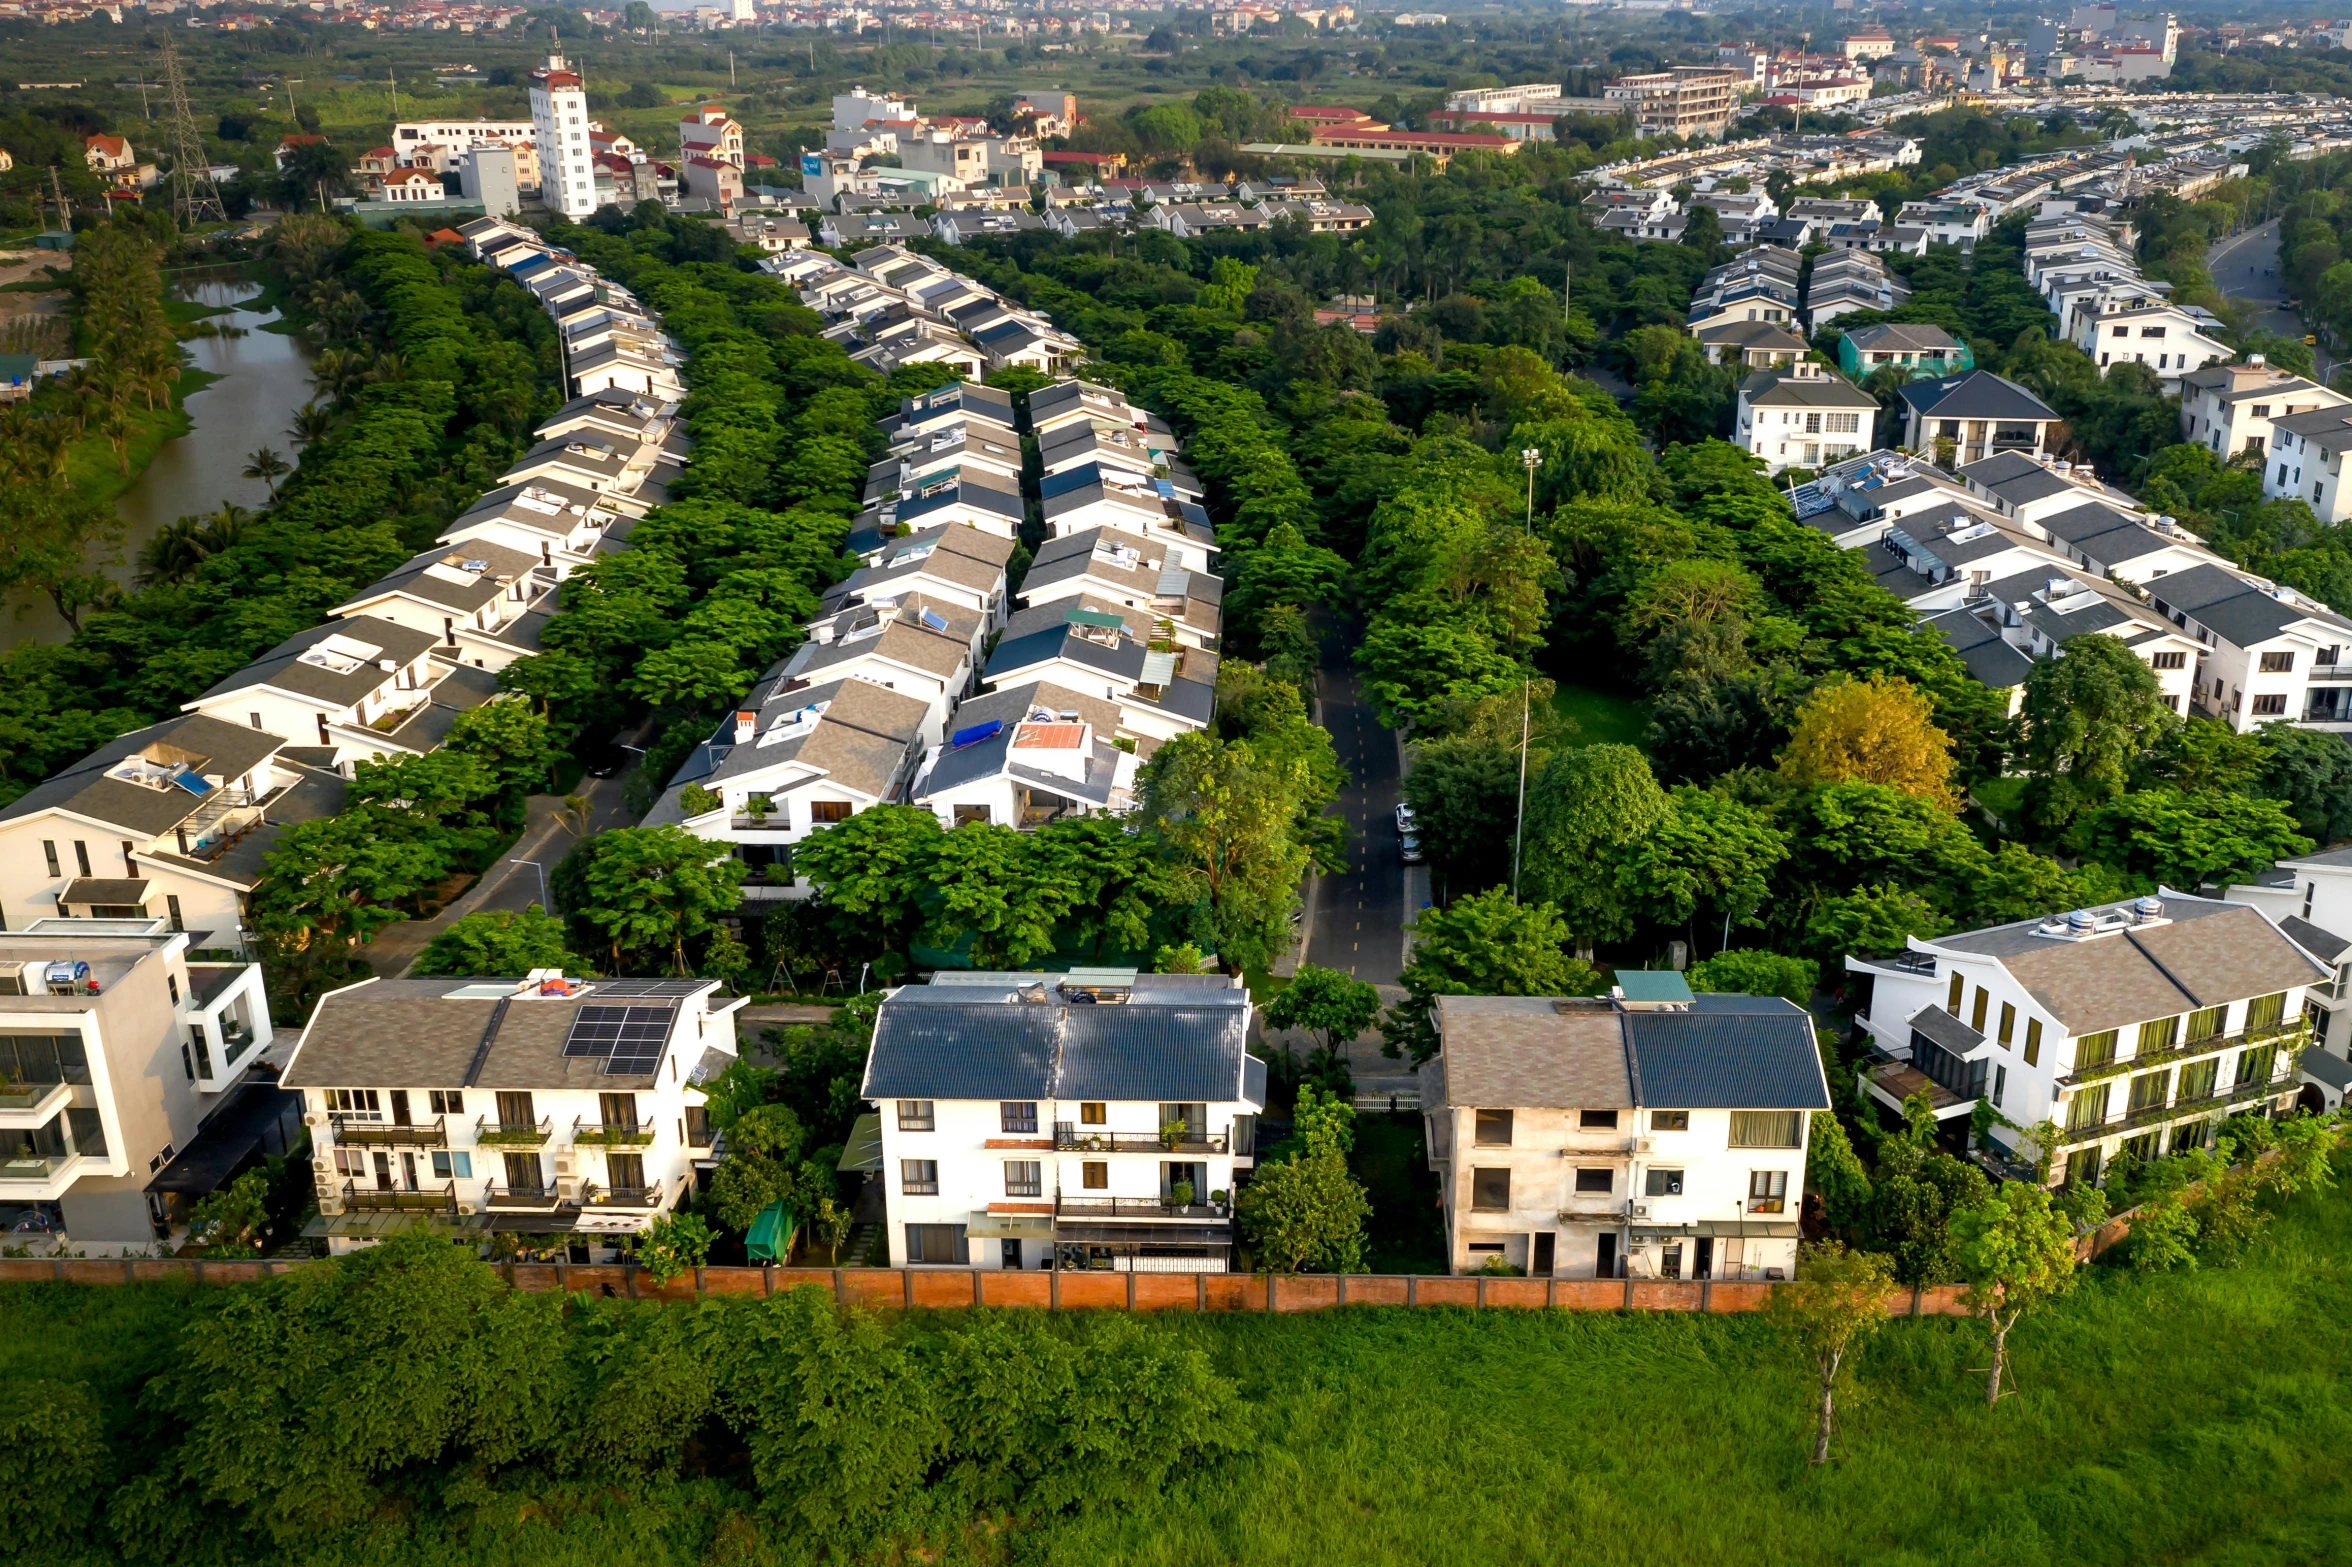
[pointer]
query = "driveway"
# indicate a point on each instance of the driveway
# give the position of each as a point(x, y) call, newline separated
point(2245, 267)
point(1360, 913)
point(505, 885)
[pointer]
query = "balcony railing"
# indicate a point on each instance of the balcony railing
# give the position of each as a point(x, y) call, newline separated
point(1134, 1208)
point(596, 1134)
point(1069, 1137)
point(34, 1096)
point(595, 1196)
point(372, 1199)
point(526, 1199)
point(2157, 1115)
point(2288, 1035)
point(33, 1167)
point(354, 1131)
point(517, 1134)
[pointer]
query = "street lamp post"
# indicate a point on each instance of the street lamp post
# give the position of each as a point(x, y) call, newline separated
point(1530, 459)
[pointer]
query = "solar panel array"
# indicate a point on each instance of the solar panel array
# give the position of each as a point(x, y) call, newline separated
point(629, 1039)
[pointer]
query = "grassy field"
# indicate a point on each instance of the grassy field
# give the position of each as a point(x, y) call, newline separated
point(1602, 717)
point(2186, 1417)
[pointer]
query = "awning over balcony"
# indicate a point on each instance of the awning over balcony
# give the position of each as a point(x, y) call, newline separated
point(1144, 1234)
point(257, 1115)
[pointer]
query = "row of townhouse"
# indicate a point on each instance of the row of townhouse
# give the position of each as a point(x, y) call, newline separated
point(929, 680)
point(1749, 311)
point(2083, 264)
point(2127, 1028)
point(2018, 554)
point(891, 307)
point(174, 820)
point(146, 853)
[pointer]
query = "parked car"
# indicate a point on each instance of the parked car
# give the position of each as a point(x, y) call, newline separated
point(1409, 849)
point(1404, 816)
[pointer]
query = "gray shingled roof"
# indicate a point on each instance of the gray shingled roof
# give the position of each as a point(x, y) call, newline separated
point(1779, 389)
point(1735, 1053)
point(228, 752)
point(2208, 954)
point(2324, 945)
point(981, 1041)
point(1902, 337)
point(1526, 1052)
point(1977, 394)
point(282, 668)
point(409, 1033)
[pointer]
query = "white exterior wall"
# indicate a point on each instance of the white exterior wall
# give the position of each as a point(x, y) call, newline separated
point(1801, 437)
point(2227, 426)
point(971, 1149)
point(559, 128)
point(2023, 1080)
point(1549, 1147)
point(2300, 469)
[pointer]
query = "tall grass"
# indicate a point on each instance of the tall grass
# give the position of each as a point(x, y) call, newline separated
point(2187, 1417)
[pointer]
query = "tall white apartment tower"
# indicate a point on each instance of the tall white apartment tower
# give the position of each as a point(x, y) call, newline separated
point(559, 120)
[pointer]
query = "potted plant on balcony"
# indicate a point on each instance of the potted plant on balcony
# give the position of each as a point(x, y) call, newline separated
point(1172, 1135)
point(759, 808)
point(1180, 1195)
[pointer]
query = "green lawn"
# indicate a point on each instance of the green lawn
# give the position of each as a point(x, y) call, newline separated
point(1603, 717)
point(2198, 1416)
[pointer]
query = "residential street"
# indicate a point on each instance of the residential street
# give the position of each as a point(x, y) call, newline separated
point(505, 885)
point(2244, 267)
point(1360, 914)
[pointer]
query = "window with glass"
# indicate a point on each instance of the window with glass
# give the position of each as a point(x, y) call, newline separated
point(1767, 1191)
point(361, 1104)
point(1597, 1120)
point(452, 1166)
point(2082, 1166)
point(1490, 1191)
point(1094, 1113)
point(1017, 1116)
point(914, 1115)
point(1976, 1013)
point(2094, 1049)
point(2150, 1089)
point(1767, 1128)
point(2033, 1041)
point(445, 1101)
point(1952, 997)
point(1662, 1183)
point(2088, 1107)
point(694, 1129)
point(919, 1177)
point(2255, 1063)
point(40, 1060)
point(2266, 1011)
point(1024, 1178)
point(1601, 1181)
point(2190, 1137)
point(2008, 1023)
point(2158, 1034)
point(1493, 1129)
point(1669, 1120)
point(2207, 1024)
point(1095, 1175)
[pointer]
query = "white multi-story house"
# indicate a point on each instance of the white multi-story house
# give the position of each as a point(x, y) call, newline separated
point(1161, 689)
point(1646, 1134)
point(2129, 1027)
point(1091, 1120)
point(2306, 461)
point(563, 526)
point(792, 759)
point(1146, 453)
point(483, 603)
point(2310, 900)
point(954, 565)
point(2229, 408)
point(541, 1104)
point(1027, 756)
point(1979, 414)
point(1121, 570)
point(1802, 417)
point(2170, 339)
point(358, 688)
point(940, 453)
point(170, 822)
point(117, 1057)
point(559, 128)
point(1092, 496)
point(2271, 653)
point(919, 648)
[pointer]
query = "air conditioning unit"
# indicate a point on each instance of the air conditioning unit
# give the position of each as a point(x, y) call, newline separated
point(565, 1160)
point(315, 1118)
point(1644, 1145)
point(1641, 1210)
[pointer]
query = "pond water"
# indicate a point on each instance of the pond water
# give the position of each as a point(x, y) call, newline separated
point(263, 378)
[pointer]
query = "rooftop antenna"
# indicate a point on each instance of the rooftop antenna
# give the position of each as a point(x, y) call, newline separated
point(194, 196)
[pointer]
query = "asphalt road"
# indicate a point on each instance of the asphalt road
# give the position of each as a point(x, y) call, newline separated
point(1360, 913)
point(2244, 266)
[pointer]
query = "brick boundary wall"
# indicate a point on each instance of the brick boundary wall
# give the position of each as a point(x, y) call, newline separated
point(947, 1289)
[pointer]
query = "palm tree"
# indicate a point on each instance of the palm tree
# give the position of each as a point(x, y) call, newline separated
point(310, 424)
point(117, 430)
point(267, 466)
point(177, 549)
point(389, 366)
point(224, 527)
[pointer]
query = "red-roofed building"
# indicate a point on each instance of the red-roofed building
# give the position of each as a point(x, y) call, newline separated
point(378, 161)
point(413, 185)
point(105, 154)
point(289, 144)
point(1441, 145)
point(1327, 114)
